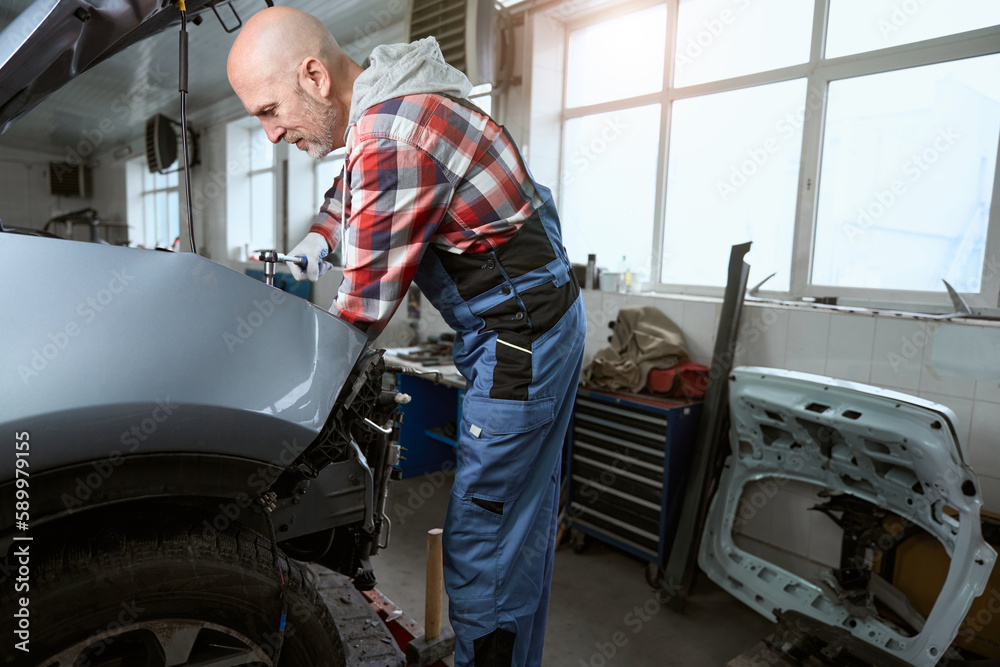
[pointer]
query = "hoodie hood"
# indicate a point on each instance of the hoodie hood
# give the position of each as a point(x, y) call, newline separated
point(396, 70)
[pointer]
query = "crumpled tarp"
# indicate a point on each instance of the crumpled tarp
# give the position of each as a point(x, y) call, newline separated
point(644, 339)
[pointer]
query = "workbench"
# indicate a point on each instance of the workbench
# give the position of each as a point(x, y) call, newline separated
point(423, 436)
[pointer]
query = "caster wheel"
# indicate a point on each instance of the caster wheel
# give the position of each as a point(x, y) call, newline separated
point(654, 574)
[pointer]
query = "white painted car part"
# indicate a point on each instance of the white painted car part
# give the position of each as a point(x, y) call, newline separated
point(895, 451)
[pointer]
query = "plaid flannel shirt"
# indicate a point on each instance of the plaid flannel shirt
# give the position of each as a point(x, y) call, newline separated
point(421, 169)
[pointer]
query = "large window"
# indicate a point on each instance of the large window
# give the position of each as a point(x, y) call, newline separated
point(160, 209)
point(253, 196)
point(853, 141)
point(261, 176)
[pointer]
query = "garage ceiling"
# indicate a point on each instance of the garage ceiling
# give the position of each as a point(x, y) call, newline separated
point(107, 106)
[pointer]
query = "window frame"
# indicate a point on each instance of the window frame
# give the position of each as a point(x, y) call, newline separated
point(253, 130)
point(818, 73)
point(143, 193)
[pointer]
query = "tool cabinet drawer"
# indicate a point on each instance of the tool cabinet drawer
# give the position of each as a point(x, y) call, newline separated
point(628, 462)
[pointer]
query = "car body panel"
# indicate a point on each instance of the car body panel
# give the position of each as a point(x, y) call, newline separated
point(895, 451)
point(139, 351)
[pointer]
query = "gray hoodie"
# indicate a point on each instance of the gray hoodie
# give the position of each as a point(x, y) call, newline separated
point(396, 70)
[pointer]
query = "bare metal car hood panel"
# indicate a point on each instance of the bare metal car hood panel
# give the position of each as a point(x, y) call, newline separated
point(874, 444)
point(143, 351)
point(53, 41)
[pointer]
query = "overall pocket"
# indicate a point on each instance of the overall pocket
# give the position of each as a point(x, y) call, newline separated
point(471, 563)
point(499, 443)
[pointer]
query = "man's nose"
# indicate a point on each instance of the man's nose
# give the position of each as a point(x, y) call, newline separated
point(273, 131)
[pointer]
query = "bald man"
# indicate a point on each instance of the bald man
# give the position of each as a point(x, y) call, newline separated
point(434, 191)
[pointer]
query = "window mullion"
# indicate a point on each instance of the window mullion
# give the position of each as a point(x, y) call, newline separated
point(821, 12)
point(660, 210)
point(941, 49)
point(990, 289)
point(809, 164)
point(746, 81)
point(614, 105)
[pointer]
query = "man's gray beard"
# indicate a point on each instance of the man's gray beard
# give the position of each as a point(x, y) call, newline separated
point(320, 145)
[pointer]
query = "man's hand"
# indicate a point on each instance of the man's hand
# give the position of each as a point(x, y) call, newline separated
point(314, 248)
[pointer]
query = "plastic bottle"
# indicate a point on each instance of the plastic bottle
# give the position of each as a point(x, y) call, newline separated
point(590, 281)
point(624, 276)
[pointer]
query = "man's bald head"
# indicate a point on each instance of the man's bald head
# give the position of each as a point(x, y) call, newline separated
point(289, 71)
point(273, 44)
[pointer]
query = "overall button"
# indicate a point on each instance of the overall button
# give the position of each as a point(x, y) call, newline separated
point(519, 315)
point(490, 264)
point(505, 290)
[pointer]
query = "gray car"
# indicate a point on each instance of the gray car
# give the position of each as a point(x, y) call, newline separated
point(179, 429)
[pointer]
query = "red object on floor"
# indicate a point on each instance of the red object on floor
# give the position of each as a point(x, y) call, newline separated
point(402, 628)
point(686, 380)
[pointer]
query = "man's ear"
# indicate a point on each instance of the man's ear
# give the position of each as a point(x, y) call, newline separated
point(314, 77)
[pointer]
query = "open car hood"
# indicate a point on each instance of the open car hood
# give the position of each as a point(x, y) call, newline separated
point(53, 41)
point(894, 451)
point(136, 351)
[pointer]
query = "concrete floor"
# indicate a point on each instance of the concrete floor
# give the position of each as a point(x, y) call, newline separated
point(602, 611)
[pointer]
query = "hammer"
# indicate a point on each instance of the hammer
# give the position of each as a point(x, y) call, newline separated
point(435, 644)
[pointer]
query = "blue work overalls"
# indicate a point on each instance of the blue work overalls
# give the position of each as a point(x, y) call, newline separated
point(520, 328)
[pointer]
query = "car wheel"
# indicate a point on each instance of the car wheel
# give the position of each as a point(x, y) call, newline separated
point(158, 586)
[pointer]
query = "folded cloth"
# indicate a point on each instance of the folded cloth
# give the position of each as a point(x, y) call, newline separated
point(685, 381)
point(644, 339)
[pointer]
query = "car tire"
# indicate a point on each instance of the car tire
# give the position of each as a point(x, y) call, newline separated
point(163, 585)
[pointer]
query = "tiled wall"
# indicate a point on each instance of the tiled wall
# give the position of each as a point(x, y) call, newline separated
point(895, 352)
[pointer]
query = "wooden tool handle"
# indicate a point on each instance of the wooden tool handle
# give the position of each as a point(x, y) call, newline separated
point(435, 575)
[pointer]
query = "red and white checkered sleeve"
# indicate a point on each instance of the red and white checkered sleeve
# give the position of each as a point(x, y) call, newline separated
point(398, 198)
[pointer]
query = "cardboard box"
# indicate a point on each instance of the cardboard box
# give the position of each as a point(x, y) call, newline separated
point(921, 566)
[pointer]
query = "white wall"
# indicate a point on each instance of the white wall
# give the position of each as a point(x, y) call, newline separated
point(24, 192)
